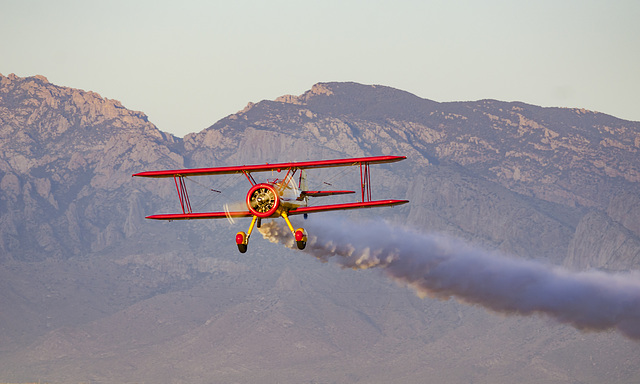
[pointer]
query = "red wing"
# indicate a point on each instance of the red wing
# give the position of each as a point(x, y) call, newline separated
point(339, 207)
point(271, 167)
point(202, 215)
point(297, 211)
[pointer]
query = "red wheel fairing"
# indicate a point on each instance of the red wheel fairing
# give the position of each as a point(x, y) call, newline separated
point(263, 200)
point(301, 238)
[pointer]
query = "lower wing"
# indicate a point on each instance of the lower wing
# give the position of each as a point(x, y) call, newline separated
point(201, 215)
point(295, 211)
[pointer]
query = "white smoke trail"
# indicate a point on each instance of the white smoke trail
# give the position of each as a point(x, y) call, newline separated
point(440, 267)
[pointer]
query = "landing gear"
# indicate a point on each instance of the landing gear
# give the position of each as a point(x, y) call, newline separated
point(299, 234)
point(301, 238)
point(242, 239)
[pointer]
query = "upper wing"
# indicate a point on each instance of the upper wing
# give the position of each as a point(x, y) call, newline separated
point(339, 207)
point(271, 167)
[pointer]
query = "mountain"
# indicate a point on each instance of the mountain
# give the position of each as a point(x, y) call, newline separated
point(90, 291)
point(62, 152)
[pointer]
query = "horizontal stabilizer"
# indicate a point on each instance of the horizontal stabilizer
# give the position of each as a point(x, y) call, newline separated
point(341, 207)
point(323, 193)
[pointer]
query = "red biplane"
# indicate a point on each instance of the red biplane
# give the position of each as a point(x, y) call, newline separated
point(277, 198)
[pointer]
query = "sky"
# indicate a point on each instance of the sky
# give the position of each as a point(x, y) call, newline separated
point(187, 64)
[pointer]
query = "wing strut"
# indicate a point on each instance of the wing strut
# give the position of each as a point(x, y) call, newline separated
point(365, 182)
point(181, 187)
point(249, 177)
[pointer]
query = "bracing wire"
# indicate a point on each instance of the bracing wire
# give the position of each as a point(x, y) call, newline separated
point(216, 189)
point(346, 171)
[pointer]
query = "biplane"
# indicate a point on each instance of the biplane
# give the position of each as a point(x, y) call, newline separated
point(281, 197)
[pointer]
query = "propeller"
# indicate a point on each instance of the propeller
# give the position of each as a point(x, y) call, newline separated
point(237, 206)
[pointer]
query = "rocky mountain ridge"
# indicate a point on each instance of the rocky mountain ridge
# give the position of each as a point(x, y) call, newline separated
point(60, 145)
point(98, 293)
point(572, 159)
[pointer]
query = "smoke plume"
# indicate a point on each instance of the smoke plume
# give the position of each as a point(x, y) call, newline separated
point(441, 267)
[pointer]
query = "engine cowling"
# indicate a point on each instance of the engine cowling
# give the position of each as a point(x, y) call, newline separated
point(263, 200)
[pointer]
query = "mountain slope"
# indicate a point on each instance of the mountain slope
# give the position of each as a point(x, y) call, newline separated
point(61, 149)
point(558, 162)
point(98, 293)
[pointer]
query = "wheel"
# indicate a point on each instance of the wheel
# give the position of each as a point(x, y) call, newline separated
point(241, 241)
point(301, 238)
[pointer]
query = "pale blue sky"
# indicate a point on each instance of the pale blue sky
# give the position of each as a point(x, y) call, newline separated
point(187, 64)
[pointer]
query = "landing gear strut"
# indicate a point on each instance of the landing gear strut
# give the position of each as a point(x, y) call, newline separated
point(242, 239)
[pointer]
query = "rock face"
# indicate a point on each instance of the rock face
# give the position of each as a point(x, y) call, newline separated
point(61, 149)
point(98, 293)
